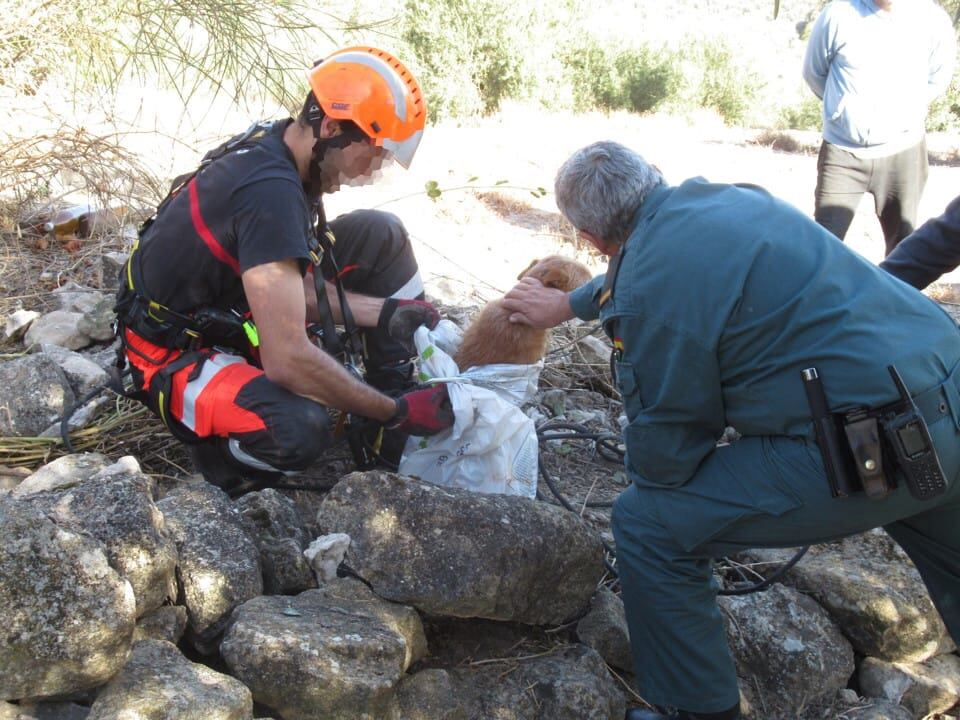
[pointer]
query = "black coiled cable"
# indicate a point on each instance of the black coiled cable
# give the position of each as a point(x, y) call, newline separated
point(609, 446)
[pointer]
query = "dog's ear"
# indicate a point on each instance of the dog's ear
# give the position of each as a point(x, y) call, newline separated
point(556, 277)
point(527, 268)
point(580, 276)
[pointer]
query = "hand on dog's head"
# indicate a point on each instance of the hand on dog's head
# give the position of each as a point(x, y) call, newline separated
point(557, 271)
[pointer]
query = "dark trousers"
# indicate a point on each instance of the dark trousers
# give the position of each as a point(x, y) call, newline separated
point(896, 183)
point(375, 258)
point(760, 492)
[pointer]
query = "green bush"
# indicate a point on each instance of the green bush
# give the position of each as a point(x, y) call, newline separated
point(648, 78)
point(724, 84)
point(470, 51)
point(636, 79)
point(589, 70)
point(944, 114)
point(805, 115)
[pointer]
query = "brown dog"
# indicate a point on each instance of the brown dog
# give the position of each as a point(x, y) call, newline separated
point(492, 338)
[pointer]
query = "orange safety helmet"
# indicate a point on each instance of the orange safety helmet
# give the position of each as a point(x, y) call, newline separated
point(374, 90)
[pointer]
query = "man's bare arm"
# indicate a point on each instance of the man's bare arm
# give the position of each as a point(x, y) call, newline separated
point(275, 292)
point(365, 309)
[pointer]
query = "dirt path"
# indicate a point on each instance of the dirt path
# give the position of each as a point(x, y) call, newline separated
point(471, 247)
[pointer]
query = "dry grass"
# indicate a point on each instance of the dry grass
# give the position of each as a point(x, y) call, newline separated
point(782, 141)
point(523, 214)
point(32, 266)
point(96, 165)
point(33, 263)
point(126, 428)
point(944, 292)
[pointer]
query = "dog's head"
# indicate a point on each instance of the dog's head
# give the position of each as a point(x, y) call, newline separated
point(557, 271)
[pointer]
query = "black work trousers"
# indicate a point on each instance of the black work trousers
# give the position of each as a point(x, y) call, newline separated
point(896, 183)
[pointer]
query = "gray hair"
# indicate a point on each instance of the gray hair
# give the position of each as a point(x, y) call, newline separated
point(600, 187)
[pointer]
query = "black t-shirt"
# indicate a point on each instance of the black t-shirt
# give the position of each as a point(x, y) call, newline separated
point(245, 209)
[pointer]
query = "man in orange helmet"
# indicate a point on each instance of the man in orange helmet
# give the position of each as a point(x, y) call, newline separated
point(226, 278)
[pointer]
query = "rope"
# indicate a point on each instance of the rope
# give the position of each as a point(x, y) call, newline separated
point(609, 447)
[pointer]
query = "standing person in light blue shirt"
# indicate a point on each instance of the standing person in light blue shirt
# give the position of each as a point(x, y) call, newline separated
point(717, 297)
point(877, 65)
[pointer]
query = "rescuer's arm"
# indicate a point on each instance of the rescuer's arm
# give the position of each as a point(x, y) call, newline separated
point(365, 309)
point(276, 296)
point(396, 316)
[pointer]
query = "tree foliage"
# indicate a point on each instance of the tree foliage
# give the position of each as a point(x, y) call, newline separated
point(70, 59)
point(237, 47)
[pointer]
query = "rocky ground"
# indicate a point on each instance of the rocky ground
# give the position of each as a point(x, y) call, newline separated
point(151, 594)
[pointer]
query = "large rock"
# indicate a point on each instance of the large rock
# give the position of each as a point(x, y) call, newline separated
point(80, 417)
point(82, 373)
point(67, 615)
point(452, 552)
point(571, 683)
point(64, 472)
point(781, 640)
point(874, 593)
point(113, 504)
point(428, 695)
point(922, 688)
point(111, 263)
point(74, 297)
point(97, 322)
point(272, 520)
point(158, 683)
point(604, 629)
point(165, 623)
point(334, 653)
point(875, 709)
point(59, 327)
point(35, 394)
point(219, 565)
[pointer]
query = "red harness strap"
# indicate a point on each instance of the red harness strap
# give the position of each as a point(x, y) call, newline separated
point(204, 231)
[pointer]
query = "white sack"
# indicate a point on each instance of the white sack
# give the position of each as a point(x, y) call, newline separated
point(492, 446)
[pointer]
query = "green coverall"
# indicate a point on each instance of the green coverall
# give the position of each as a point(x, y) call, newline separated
point(723, 295)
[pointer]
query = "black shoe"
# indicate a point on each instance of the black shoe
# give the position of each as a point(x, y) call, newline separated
point(384, 448)
point(374, 446)
point(213, 460)
point(209, 461)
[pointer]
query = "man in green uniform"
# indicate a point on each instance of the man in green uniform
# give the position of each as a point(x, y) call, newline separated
point(716, 299)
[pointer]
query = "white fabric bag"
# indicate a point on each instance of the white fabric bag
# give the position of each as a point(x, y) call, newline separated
point(492, 446)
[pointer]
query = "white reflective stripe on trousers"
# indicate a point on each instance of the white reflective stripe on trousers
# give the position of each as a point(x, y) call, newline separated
point(213, 365)
point(233, 445)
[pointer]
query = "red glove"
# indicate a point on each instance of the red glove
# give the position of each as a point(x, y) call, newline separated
point(401, 318)
point(423, 412)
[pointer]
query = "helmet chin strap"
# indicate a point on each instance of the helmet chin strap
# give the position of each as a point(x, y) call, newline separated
point(350, 133)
